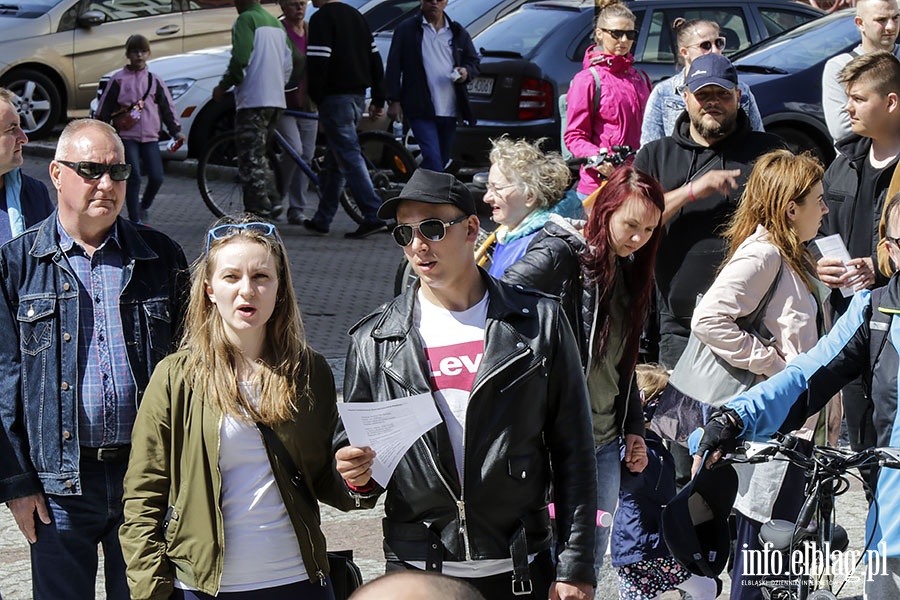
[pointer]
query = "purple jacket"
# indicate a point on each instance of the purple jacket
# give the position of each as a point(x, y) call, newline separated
point(127, 87)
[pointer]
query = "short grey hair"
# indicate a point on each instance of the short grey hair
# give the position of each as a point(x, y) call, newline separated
point(74, 128)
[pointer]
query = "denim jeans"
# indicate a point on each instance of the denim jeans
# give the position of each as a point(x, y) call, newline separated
point(146, 156)
point(609, 475)
point(64, 558)
point(435, 138)
point(340, 115)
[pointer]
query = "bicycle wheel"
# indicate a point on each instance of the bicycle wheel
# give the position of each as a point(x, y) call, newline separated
point(390, 165)
point(218, 178)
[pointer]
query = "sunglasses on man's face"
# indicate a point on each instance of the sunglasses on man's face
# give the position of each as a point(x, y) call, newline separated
point(707, 45)
point(629, 34)
point(229, 230)
point(432, 230)
point(93, 170)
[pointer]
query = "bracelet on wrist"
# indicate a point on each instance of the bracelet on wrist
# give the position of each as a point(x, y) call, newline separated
point(691, 195)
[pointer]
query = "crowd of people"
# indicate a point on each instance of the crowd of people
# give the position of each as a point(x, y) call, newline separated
point(176, 416)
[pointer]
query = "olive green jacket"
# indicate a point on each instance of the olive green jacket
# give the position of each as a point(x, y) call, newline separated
point(173, 517)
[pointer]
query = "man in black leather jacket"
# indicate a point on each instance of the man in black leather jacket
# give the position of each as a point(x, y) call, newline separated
point(469, 498)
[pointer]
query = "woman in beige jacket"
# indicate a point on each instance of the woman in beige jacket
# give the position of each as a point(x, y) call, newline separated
point(781, 210)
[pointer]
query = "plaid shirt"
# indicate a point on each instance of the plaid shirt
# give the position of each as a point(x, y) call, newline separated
point(107, 390)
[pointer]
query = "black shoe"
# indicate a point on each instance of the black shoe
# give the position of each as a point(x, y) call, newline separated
point(367, 229)
point(295, 217)
point(313, 227)
point(275, 211)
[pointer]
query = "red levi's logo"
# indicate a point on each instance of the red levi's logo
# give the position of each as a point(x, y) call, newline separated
point(454, 366)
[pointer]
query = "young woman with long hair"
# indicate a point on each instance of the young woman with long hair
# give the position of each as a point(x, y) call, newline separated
point(781, 209)
point(603, 272)
point(666, 103)
point(210, 508)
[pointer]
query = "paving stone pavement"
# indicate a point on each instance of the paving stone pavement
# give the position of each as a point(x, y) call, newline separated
point(337, 282)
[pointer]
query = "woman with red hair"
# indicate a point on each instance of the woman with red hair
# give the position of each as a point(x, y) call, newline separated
point(602, 270)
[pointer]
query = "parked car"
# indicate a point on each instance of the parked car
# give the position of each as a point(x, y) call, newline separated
point(785, 74)
point(529, 57)
point(53, 52)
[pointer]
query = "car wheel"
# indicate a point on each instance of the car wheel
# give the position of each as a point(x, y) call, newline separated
point(800, 141)
point(38, 101)
point(217, 118)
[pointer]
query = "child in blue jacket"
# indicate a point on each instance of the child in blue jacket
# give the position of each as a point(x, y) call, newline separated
point(642, 561)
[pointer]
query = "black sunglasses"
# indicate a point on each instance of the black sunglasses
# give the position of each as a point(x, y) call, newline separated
point(232, 229)
point(631, 34)
point(92, 170)
point(432, 230)
point(707, 45)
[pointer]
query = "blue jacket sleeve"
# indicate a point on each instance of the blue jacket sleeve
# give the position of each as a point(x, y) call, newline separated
point(811, 379)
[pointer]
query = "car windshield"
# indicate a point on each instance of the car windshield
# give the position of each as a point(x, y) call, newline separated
point(809, 44)
point(521, 31)
point(26, 10)
point(465, 12)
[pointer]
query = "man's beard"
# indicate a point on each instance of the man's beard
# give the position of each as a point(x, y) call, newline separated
point(713, 131)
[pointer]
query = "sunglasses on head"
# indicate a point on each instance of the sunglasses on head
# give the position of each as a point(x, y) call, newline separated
point(229, 230)
point(630, 34)
point(432, 230)
point(93, 170)
point(707, 45)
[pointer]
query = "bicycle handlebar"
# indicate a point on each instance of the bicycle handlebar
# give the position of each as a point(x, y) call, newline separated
point(616, 156)
point(833, 460)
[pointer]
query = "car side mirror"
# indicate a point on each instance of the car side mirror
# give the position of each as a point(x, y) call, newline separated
point(91, 18)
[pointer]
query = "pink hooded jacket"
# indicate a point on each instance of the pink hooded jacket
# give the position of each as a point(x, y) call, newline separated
point(623, 95)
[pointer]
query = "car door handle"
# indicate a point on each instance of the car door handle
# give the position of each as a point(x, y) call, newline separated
point(168, 30)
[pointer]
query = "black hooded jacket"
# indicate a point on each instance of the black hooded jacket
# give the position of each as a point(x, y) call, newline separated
point(692, 248)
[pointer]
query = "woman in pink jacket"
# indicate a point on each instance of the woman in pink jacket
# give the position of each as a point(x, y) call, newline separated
point(623, 94)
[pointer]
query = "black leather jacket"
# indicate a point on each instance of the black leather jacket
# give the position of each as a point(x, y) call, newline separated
point(527, 426)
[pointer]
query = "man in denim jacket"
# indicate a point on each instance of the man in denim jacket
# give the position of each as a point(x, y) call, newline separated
point(91, 305)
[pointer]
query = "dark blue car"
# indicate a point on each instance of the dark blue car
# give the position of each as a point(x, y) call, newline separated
point(785, 74)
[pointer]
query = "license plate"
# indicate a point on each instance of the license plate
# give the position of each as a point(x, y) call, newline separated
point(481, 86)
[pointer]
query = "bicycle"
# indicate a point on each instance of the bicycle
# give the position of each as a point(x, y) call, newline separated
point(827, 471)
point(389, 163)
point(484, 243)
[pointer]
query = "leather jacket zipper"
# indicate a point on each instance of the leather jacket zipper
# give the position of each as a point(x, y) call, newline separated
point(524, 375)
point(460, 503)
point(498, 369)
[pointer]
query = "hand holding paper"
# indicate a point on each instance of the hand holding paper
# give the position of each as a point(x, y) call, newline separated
point(389, 428)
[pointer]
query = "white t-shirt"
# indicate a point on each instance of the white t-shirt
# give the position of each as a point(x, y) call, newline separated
point(437, 58)
point(261, 548)
point(454, 347)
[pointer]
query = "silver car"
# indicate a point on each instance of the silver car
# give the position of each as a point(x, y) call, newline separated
point(53, 52)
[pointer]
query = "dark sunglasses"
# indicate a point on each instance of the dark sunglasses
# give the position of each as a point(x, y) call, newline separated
point(432, 230)
point(223, 232)
point(92, 170)
point(631, 34)
point(707, 45)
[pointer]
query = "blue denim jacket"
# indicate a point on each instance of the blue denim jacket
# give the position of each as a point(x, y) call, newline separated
point(39, 345)
point(666, 104)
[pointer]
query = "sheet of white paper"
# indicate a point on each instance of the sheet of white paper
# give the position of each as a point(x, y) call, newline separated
point(389, 428)
point(832, 246)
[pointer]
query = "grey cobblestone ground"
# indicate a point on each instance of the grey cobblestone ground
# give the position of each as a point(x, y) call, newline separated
point(337, 282)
